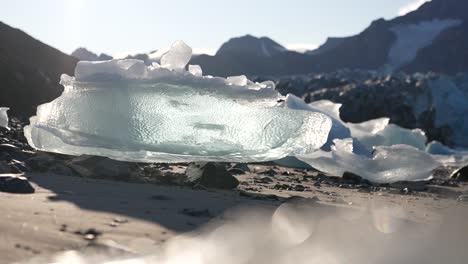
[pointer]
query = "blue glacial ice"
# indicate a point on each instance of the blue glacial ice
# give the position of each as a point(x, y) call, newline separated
point(128, 111)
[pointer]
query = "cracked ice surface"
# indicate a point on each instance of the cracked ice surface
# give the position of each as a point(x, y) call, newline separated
point(127, 111)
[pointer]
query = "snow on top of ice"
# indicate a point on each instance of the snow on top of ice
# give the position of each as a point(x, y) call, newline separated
point(413, 37)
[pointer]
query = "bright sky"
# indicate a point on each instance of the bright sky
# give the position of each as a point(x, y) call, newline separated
point(127, 26)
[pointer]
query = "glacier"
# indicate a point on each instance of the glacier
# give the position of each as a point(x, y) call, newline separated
point(125, 110)
point(4, 117)
point(410, 38)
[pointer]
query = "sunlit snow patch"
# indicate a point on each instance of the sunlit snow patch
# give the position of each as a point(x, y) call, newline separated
point(125, 110)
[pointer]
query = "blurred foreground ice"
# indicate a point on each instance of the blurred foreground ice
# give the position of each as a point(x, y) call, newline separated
point(300, 233)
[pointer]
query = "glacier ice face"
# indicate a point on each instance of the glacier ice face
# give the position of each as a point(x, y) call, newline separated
point(413, 37)
point(4, 117)
point(388, 163)
point(127, 111)
point(451, 108)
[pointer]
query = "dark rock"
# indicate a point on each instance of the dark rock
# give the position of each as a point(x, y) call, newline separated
point(4, 167)
point(269, 172)
point(299, 200)
point(409, 187)
point(241, 166)
point(463, 198)
point(460, 174)
point(89, 234)
point(299, 188)
point(236, 171)
point(8, 148)
point(19, 166)
point(254, 196)
point(15, 183)
point(280, 186)
point(160, 197)
point(351, 177)
point(211, 175)
point(196, 212)
point(264, 180)
point(101, 167)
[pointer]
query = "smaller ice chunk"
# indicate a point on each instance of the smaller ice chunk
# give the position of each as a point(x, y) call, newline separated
point(390, 135)
point(268, 85)
point(388, 163)
point(374, 126)
point(446, 155)
point(368, 134)
point(240, 80)
point(437, 148)
point(177, 57)
point(4, 117)
point(327, 107)
point(195, 70)
point(339, 130)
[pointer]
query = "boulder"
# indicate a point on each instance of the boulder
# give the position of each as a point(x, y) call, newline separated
point(211, 175)
point(15, 183)
point(460, 174)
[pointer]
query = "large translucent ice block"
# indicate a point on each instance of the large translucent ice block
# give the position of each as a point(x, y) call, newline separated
point(126, 111)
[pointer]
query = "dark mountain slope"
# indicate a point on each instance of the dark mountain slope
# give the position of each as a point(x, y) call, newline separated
point(29, 71)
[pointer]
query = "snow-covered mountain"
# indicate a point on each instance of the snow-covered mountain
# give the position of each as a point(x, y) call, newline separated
point(407, 42)
point(432, 38)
